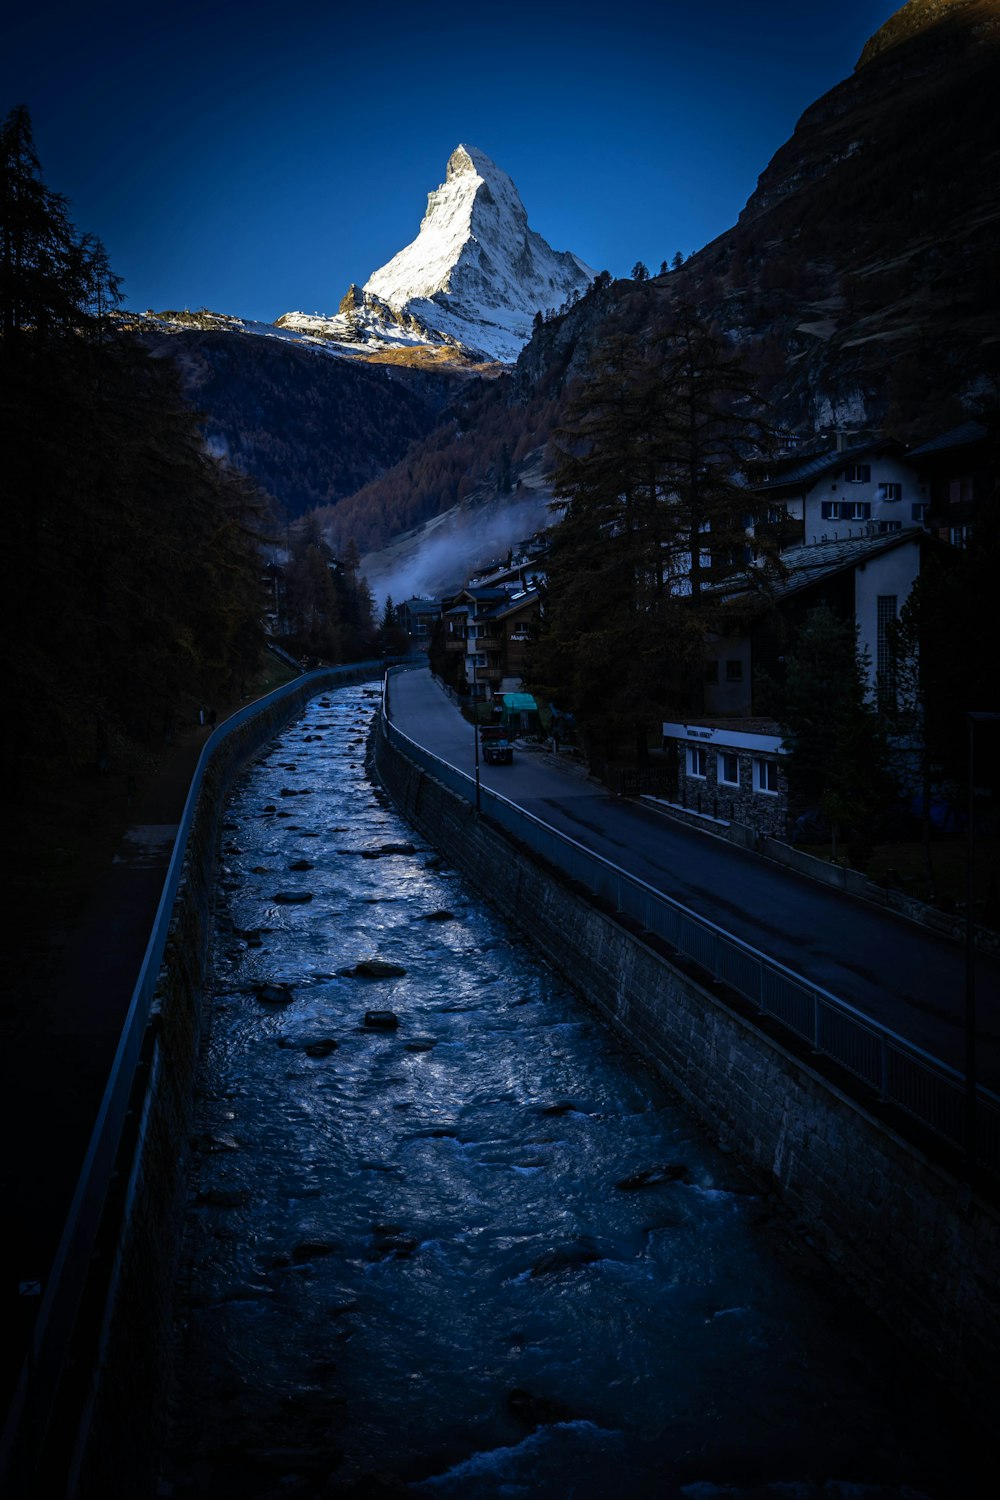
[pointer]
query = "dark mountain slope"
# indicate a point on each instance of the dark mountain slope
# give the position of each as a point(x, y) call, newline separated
point(861, 276)
point(309, 428)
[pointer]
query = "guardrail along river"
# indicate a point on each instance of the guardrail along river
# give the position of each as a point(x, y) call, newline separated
point(479, 1252)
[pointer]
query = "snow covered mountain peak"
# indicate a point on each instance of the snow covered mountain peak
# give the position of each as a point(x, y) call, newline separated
point(475, 275)
point(468, 159)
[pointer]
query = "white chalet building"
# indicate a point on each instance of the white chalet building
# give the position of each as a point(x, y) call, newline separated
point(867, 489)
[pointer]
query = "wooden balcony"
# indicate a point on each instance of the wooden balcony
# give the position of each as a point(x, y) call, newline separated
point(455, 643)
point(489, 674)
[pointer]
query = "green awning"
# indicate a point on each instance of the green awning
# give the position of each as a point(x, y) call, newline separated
point(519, 703)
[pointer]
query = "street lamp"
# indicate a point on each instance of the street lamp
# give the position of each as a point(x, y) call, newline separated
point(972, 720)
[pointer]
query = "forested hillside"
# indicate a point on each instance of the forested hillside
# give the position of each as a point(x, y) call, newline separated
point(308, 427)
point(131, 565)
point(484, 438)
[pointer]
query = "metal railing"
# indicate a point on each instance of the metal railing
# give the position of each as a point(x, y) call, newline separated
point(34, 1398)
point(900, 1073)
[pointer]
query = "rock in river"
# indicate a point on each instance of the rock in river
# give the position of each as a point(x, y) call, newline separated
point(321, 1048)
point(384, 849)
point(292, 898)
point(274, 994)
point(674, 1171)
point(374, 968)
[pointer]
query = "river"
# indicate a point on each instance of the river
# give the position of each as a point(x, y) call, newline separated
point(480, 1252)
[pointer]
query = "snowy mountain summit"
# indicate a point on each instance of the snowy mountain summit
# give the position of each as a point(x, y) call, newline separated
point(474, 277)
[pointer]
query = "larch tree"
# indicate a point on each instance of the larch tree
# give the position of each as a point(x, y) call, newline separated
point(647, 476)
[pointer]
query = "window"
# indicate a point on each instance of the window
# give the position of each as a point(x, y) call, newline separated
point(831, 510)
point(887, 608)
point(858, 474)
point(918, 512)
point(711, 671)
point(729, 767)
point(734, 671)
point(961, 536)
point(960, 490)
point(765, 776)
point(697, 761)
point(890, 491)
point(858, 510)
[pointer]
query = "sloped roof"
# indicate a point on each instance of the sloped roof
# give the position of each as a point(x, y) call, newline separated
point(826, 462)
point(511, 605)
point(810, 562)
point(421, 606)
point(958, 437)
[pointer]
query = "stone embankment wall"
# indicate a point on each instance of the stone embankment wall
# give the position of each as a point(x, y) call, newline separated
point(122, 1437)
point(920, 1248)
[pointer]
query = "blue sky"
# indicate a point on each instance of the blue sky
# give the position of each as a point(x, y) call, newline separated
point(257, 158)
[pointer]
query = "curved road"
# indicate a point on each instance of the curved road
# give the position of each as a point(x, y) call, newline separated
point(893, 970)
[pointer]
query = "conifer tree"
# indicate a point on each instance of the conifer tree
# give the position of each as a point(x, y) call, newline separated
point(647, 477)
point(837, 755)
point(132, 561)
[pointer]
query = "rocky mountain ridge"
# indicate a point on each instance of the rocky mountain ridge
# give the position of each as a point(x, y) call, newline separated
point(860, 277)
point(474, 277)
point(859, 282)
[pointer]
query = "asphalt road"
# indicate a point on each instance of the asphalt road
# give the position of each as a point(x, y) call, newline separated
point(886, 966)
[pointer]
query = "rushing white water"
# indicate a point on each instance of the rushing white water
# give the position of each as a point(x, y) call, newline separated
point(411, 1267)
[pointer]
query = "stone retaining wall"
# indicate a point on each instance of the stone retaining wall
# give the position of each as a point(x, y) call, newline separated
point(920, 1249)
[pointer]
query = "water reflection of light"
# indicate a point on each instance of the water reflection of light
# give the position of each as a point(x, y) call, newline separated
point(414, 1350)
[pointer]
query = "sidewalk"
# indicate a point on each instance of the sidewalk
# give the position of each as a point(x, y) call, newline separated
point(55, 1064)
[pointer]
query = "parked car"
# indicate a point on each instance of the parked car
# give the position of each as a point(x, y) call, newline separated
point(496, 746)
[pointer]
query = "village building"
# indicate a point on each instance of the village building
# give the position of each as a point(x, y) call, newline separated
point(729, 759)
point(846, 491)
point(418, 618)
point(959, 472)
point(490, 629)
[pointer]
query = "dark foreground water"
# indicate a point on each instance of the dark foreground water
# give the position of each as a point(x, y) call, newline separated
point(410, 1255)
